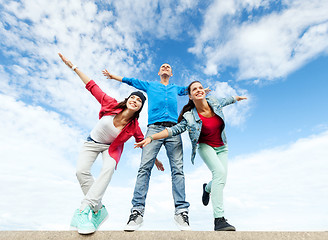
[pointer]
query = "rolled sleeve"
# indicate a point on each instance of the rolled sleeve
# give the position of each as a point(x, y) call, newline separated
point(183, 91)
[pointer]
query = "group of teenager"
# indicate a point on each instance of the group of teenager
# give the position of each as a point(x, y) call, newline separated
point(202, 116)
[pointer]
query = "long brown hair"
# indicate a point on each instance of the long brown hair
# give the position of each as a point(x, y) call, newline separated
point(190, 105)
point(122, 105)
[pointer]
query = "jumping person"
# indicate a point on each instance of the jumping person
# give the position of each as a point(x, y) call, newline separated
point(204, 119)
point(162, 113)
point(117, 123)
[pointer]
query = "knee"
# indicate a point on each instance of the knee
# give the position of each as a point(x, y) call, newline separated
point(177, 166)
point(177, 170)
point(82, 173)
point(144, 170)
point(108, 170)
point(219, 176)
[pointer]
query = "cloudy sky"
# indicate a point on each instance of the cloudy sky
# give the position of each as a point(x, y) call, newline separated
point(274, 52)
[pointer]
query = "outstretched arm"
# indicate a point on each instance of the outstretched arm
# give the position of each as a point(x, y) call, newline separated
point(112, 76)
point(147, 140)
point(83, 77)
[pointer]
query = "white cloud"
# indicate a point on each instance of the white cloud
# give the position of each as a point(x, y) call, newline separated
point(38, 150)
point(81, 33)
point(159, 19)
point(270, 46)
point(235, 114)
point(92, 36)
point(284, 188)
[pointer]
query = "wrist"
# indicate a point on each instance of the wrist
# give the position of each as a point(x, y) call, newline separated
point(74, 67)
point(151, 138)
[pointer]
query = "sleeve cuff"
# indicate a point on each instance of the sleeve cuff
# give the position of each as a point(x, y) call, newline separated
point(90, 84)
point(169, 131)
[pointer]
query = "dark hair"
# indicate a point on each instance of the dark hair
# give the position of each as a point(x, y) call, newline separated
point(122, 105)
point(190, 105)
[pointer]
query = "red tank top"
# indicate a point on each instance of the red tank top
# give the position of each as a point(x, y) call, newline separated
point(211, 131)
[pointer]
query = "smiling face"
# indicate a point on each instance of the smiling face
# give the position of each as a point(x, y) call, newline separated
point(165, 69)
point(134, 103)
point(196, 91)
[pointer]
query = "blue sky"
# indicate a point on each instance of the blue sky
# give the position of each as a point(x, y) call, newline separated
point(274, 52)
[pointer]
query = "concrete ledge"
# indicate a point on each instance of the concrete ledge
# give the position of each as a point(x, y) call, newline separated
point(162, 235)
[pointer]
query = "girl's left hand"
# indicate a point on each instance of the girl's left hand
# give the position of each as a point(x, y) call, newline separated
point(65, 60)
point(239, 98)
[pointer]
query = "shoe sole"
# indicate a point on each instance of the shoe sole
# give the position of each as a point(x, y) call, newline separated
point(102, 222)
point(132, 229)
point(182, 228)
point(85, 232)
point(226, 229)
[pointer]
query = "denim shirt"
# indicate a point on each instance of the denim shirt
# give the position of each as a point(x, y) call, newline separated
point(192, 122)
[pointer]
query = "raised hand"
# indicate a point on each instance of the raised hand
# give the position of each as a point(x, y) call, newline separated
point(239, 98)
point(207, 90)
point(66, 61)
point(111, 76)
point(107, 74)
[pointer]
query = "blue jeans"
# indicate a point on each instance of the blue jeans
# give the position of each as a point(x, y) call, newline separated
point(173, 146)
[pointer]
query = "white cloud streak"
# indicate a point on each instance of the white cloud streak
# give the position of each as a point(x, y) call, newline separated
point(269, 46)
point(236, 113)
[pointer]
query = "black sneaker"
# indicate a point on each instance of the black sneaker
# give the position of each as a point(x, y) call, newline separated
point(206, 196)
point(135, 222)
point(220, 224)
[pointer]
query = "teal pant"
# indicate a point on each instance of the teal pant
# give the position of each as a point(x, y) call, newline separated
point(216, 159)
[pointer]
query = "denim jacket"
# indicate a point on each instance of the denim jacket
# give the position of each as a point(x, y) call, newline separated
point(192, 122)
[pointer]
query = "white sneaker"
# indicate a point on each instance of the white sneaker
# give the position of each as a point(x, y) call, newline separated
point(182, 221)
point(134, 223)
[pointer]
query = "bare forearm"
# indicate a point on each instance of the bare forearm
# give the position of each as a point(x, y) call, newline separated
point(160, 135)
point(83, 77)
point(117, 78)
point(69, 64)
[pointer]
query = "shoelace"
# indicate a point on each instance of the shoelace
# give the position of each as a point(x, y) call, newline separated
point(133, 216)
point(223, 219)
point(185, 217)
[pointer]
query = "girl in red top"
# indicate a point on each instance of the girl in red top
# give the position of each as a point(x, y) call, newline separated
point(204, 120)
point(117, 123)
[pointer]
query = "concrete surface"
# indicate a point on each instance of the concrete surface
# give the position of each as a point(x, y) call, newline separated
point(162, 235)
